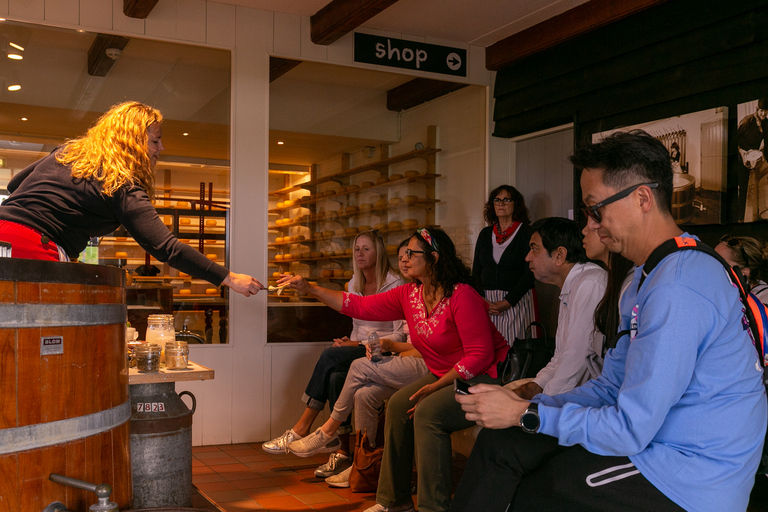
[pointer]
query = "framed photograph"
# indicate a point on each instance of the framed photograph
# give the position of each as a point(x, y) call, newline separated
point(698, 147)
point(748, 175)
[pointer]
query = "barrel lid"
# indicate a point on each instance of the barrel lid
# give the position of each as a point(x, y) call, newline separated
point(39, 271)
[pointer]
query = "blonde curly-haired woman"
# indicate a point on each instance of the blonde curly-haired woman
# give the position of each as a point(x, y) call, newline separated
point(90, 186)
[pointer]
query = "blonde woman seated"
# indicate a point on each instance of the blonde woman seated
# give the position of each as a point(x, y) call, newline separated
point(373, 274)
point(367, 386)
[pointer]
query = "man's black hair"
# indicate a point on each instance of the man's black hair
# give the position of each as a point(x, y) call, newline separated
point(559, 232)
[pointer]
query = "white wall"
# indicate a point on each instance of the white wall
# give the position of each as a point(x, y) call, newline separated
point(233, 407)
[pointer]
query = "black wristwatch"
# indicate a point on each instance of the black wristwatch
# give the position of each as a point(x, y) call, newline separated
point(529, 421)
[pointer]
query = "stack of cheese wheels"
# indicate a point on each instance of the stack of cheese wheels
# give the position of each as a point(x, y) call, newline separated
point(395, 224)
point(338, 273)
point(410, 223)
point(411, 174)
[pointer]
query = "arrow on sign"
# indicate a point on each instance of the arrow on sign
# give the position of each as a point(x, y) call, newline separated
point(453, 61)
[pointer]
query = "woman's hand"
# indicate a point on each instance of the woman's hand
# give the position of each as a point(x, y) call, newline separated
point(420, 395)
point(298, 283)
point(243, 283)
point(386, 345)
point(344, 342)
point(499, 307)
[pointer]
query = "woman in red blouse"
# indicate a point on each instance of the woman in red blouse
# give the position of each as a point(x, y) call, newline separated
point(450, 327)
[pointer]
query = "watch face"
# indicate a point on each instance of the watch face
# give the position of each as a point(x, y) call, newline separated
point(530, 421)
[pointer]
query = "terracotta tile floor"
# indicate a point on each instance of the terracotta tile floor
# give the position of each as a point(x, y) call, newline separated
point(242, 477)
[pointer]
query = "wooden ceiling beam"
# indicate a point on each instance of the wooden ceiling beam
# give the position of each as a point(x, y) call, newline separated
point(278, 67)
point(341, 17)
point(103, 53)
point(138, 8)
point(577, 21)
point(418, 91)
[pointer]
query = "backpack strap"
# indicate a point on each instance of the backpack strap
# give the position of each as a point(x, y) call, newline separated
point(755, 315)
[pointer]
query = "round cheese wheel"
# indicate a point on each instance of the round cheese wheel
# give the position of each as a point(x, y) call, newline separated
point(340, 232)
point(183, 204)
point(342, 189)
point(280, 204)
point(279, 240)
point(327, 233)
point(351, 231)
point(316, 254)
point(349, 252)
point(121, 254)
point(340, 252)
point(211, 291)
point(288, 203)
point(381, 203)
point(410, 223)
point(410, 174)
point(211, 256)
point(366, 206)
point(278, 257)
point(185, 291)
point(185, 222)
point(183, 274)
point(352, 188)
point(276, 274)
point(346, 286)
point(287, 239)
point(300, 238)
point(211, 222)
point(328, 254)
point(395, 177)
point(352, 209)
point(348, 273)
point(381, 180)
point(410, 199)
point(395, 224)
point(364, 228)
point(366, 184)
point(395, 201)
point(326, 272)
point(288, 256)
point(338, 273)
point(381, 226)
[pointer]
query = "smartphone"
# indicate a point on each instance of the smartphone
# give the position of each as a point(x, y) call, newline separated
point(461, 387)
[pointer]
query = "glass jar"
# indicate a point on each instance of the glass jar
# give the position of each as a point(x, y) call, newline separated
point(160, 330)
point(176, 355)
point(147, 358)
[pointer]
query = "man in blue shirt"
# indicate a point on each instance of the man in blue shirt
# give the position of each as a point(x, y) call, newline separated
point(677, 419)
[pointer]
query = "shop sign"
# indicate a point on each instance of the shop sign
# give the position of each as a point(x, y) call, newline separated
point(51, 345)
point(399, 53)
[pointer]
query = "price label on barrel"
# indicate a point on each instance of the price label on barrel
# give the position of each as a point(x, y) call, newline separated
point(150, 407)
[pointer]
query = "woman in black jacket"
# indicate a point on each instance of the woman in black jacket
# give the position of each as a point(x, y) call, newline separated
point(499, 265)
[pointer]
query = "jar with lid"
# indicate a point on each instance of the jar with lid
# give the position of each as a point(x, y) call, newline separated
point(148, 358)
point(160, 330)
point(176, 355)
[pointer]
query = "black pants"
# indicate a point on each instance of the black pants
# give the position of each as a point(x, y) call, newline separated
point(534, 473)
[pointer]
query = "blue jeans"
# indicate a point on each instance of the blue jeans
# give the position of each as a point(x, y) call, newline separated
point(328, 378)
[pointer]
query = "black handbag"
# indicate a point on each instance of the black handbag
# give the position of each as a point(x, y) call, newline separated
point(533, 354)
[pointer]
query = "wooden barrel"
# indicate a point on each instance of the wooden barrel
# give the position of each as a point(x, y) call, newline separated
point(64, 401)
point(683, 193)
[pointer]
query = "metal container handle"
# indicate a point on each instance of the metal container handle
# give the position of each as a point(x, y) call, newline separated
point(194, 401)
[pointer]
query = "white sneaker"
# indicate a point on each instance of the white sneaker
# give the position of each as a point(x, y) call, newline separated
point(337, 462)
point(340, 480)
point(405, 507)
point(316, 442)
point(280, 444)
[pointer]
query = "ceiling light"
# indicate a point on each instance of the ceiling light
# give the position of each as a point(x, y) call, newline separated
point(2, 19)
point(280, 143)
point(185, 134)
point(18, 47)
point(24, 119)
point(14, 87)
point(15, 56)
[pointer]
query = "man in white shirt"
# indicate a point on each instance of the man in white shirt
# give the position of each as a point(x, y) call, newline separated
point(557, 257)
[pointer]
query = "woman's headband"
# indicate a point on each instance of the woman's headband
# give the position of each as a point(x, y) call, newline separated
point(425, 234)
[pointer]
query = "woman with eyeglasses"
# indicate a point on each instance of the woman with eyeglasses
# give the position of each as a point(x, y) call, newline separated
point(450, 327)
point(367, 386)
point(499, 265)
point(752, 259)
point(372, 275)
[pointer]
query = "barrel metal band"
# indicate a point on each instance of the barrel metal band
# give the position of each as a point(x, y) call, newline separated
point(21, 316)
point(40, 435)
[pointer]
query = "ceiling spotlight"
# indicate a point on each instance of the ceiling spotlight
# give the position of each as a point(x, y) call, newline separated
point(185, 134)
point(113, 53)
point(24, 119)
point(17, 46)
point(15, 56)
point(14, 87)
point(280, 143)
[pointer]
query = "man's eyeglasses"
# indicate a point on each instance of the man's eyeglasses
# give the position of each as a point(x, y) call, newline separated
point(592, 211)
point(734, 242)
point(499, 200)
point(409, 253)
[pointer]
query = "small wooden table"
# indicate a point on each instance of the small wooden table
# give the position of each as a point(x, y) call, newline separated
point(194, 371)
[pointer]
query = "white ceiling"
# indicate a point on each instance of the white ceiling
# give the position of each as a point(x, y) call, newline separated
point(476, 22)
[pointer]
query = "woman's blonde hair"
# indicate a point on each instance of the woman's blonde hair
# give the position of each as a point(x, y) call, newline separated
point(383, 268)
point(114, 150)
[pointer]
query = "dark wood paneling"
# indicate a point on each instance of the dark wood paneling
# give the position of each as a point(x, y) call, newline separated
point(138, 8)
point(278, 67)
point(574, 22)
point(341, 17)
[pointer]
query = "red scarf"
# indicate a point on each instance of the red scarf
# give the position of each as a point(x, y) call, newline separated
point(502, 237)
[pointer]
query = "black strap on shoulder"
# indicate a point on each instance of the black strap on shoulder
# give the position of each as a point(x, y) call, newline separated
point(680, 243)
